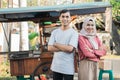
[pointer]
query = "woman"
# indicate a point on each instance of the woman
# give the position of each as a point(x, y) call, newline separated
point(90, 50)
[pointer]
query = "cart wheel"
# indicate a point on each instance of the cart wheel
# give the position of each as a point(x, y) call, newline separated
point(42, 70)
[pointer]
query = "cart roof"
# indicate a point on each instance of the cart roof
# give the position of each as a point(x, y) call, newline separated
point(43, 13)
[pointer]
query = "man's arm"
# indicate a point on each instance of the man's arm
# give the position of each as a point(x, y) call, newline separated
point(52, 48)
point(63, 47)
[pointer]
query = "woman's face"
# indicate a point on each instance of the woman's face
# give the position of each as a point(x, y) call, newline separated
point(89, 27)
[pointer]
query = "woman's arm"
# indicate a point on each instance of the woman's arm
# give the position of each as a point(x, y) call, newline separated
point(101, 50)
point(83, 46)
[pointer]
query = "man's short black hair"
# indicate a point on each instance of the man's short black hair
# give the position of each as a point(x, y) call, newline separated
point(90, 20)
point(64, 11)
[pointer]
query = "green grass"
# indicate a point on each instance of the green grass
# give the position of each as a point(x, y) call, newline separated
point(8, 78)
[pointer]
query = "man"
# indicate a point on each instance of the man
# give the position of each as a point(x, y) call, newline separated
point(63, 42)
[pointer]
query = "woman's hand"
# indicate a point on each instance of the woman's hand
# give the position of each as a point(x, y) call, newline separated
point(102, 47)
point(87, 48)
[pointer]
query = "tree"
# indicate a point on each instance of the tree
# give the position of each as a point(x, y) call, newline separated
point(115, 9)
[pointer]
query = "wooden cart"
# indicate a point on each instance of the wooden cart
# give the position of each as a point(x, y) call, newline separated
point(32, 66)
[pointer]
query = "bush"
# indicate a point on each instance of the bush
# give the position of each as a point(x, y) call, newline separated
point(115, 9)
point(8, 78)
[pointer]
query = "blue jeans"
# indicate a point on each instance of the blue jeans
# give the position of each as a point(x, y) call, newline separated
point(60, 76)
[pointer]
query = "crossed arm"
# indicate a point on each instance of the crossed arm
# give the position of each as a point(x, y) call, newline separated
point(60, 47)
point(90, 52)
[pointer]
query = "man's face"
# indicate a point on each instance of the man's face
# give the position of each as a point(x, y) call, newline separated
point(65, 18)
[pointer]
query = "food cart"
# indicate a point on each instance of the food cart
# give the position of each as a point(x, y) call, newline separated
point(24, 62)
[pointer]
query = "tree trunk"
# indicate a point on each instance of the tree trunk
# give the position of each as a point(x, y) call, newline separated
point(24, 31)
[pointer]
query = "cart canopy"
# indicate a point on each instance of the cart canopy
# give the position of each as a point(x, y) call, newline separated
point(47, 13)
